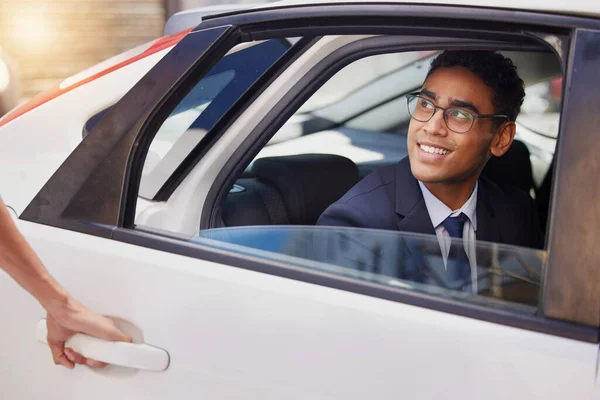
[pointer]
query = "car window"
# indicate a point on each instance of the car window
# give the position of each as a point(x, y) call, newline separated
point(505, 277)
point(538, 124)
point(367, 120)
point(359, 74)
point(378, 82)
point(292, 181)
point(203, 106)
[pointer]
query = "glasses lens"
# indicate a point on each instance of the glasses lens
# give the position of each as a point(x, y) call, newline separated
point(459, 120)
point(420, 109)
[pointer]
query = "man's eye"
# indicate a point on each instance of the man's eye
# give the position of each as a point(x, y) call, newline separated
point(461, 114)
point(425, 103)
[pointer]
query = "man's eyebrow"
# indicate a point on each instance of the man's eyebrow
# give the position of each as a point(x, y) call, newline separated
point(428, 93)
point(453, 103)
point(464, 104)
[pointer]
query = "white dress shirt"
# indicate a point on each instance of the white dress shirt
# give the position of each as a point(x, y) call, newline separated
point(438, 212)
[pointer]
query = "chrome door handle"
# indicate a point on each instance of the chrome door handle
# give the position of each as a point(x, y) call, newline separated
point(131, 355)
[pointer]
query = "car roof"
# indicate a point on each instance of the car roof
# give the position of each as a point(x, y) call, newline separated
point(582, 7)
point(193, 17)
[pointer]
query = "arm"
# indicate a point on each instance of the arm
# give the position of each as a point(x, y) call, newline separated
point(66, 316)
point(341, 214)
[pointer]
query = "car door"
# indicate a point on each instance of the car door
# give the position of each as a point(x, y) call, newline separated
point(240, 324)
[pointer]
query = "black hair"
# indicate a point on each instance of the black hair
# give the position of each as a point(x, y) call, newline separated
point(495, 70)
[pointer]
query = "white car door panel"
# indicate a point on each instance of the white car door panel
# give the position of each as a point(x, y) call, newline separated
point(234, 333)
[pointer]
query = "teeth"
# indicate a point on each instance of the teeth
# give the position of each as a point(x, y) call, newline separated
point(433, 150)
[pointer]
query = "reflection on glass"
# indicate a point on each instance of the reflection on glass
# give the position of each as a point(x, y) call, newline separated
point(502, 276)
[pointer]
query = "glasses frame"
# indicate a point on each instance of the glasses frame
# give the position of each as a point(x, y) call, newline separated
point(411, 96)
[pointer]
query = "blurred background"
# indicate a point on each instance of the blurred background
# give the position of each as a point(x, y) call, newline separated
point(42, 42)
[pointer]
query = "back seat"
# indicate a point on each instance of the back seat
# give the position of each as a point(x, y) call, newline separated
point(289, 190)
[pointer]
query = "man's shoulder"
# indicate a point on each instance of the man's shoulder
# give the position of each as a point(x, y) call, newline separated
point(514, 213)
point(382, 179)
point(504, 194)
point(369, 204)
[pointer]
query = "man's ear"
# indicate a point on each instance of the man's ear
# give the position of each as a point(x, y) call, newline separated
point(503, 138)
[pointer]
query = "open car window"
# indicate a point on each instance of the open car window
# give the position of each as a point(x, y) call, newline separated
point(367, 119)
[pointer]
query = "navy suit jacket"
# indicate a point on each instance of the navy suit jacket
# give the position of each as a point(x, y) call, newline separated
point(390, 198)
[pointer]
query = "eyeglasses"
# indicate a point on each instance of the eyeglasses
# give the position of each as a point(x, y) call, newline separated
point(457, 119)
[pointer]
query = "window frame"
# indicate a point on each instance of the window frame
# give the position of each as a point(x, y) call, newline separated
point(111, 215)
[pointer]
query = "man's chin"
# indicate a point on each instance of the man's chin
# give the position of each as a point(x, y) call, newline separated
point(428, 174)
point(427, 178)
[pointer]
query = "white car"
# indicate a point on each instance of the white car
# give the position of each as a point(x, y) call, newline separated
point(176, 188)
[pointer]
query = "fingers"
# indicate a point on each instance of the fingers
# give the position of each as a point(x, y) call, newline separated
point(95, 364)
point(58, 355)
point(77, 358)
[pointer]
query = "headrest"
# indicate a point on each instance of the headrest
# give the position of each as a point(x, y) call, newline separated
point(513, 168)
point(308, 183)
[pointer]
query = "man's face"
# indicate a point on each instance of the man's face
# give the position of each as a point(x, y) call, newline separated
point(466, 152)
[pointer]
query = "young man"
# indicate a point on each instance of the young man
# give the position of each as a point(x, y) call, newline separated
point(66, 316)
point(463, 115)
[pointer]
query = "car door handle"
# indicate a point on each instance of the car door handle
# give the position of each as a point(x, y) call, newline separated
point(131, 355)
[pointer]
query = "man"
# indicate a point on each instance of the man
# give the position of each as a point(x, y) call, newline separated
point(66, 316)
point(463, 115)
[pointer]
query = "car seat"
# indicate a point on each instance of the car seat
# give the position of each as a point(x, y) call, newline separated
point(289, 190)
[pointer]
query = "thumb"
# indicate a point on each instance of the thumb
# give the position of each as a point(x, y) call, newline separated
point(110, 331)
point(99, 326)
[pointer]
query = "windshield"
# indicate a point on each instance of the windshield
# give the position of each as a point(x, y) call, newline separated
point(504, 276)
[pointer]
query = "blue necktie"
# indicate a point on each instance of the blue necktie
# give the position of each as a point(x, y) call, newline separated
point(458, 269)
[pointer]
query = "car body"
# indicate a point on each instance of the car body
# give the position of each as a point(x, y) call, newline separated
point(140, 183)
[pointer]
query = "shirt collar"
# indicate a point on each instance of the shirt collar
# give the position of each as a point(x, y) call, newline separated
point(438, 211)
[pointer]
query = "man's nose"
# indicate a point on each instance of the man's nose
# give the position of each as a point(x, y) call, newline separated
point(436, 125)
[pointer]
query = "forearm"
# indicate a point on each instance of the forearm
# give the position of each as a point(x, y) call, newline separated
point(19, 260)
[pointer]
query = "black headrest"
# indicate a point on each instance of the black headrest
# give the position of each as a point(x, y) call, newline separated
point(308, 183)
point(513, 168)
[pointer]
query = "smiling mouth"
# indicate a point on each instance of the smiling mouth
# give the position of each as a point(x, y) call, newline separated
point(433, 150)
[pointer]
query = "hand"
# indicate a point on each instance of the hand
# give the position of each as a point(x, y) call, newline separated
point(75, 318)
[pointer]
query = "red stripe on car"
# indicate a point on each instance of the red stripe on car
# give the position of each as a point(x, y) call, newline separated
point(45, 97)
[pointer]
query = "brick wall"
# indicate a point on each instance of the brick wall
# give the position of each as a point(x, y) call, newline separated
point(53, 39)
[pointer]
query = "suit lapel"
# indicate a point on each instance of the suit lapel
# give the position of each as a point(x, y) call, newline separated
point(410, 205)
point(487, 227)
point(414, 217)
